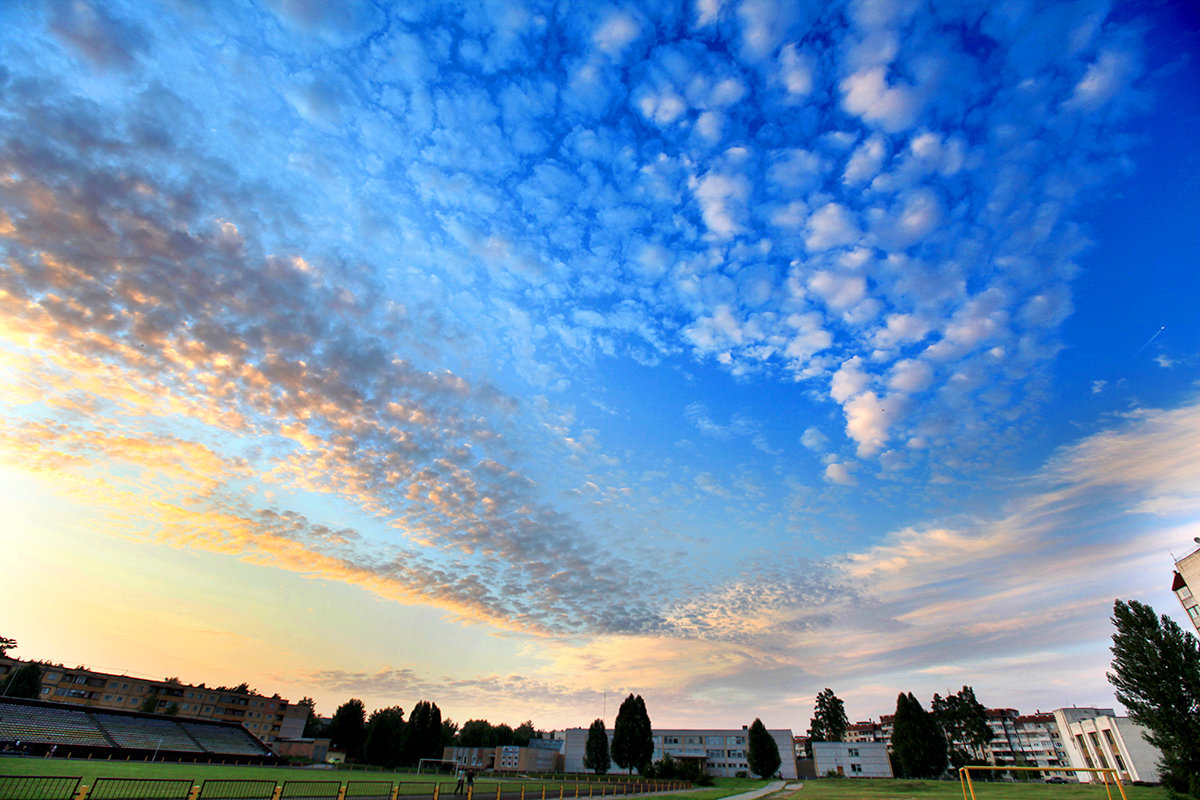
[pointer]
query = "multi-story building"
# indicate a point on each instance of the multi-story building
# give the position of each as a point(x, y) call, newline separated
point(266, 717)
point(1096, 738)
point(722, 752)
point(1186, 584)
point(865, 731)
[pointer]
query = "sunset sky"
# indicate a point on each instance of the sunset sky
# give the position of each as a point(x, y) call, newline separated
point(514, 356)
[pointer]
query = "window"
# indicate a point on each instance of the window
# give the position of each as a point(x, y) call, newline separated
point(1194, 612)
point(853, 752)
point(108, 697)
point(856, 769)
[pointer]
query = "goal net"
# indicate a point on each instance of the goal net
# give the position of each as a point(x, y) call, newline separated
point(439, 765)
point(1107, 776)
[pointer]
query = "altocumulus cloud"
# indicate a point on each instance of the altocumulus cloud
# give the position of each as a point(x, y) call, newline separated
point(375, 258)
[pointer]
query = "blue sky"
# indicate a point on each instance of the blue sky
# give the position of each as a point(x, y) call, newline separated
point(510, 355)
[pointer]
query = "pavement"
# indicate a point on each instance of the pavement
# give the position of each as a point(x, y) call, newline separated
point(770, 788)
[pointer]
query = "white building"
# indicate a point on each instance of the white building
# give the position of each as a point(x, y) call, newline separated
point(1186, 585)
point(852, 759)
point(1098, 739)
point(721, 751)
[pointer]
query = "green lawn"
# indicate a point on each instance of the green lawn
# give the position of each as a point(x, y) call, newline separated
point(485, 785)
point(881, 789)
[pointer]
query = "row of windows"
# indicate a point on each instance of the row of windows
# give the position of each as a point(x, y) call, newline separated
point(697, 740)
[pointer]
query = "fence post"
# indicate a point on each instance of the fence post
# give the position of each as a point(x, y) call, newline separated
point(396, 791)
point(560, 791)
point(497, 790)
point(278, 791)
point(82, 793)
point(543, 791)
point(195, 793)
point(342, 792)
point(437, 790)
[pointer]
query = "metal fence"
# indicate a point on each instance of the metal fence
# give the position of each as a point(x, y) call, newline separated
point(236, 789)
point(368, 790)
point(324, 790)
point(27, 787)
point(140, 789)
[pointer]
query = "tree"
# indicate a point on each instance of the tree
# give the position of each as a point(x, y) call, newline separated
point(829, 721)
point(476, 733)
point(524, 733)
point(449, 731)
point(502, 735)
point(347, 728)
point(1156, 673)
point(762, 752)
point(423, 736)
point(963, 720)
point(633, 740)
point(26, 682)
point(383, 737)
point(595, 753)
point(917, 741)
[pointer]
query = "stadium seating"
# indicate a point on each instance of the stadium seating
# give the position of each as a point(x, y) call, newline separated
point(79, 730)
point(147, 733)
point(49, 725)
point(225, 739)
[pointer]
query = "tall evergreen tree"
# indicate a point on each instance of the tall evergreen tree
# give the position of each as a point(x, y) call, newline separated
point(1156, 672)
point(917, 742)
point(423, 733)
point(762, 753)
point(633, 739)
point(595, 754)
point(383, 737)
point(829, 722)
point(347, 728)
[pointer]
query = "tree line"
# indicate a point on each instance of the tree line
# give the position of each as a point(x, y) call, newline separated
point(924, 743)
point(386, 738)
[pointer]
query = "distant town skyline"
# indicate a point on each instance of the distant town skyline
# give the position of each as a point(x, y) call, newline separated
point(510, 354)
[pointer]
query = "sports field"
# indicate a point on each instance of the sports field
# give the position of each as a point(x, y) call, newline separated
point(878, 789)
point(412, 786)
point(824, 789)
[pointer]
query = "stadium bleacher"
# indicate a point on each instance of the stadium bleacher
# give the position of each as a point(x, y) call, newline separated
point(20, 723)
point(147, 734)
point(68, 729)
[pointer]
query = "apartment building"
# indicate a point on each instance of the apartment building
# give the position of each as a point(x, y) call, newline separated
point(1186, 585)
point(266, 717)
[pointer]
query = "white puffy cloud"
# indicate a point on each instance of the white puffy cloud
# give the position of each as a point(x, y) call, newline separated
point(867, 94)
point(831, 225)
point(722, 198)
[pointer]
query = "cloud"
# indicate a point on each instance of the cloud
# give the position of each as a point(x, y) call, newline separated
point(867, 94)
point(831, 225)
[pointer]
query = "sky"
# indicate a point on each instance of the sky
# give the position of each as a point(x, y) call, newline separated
point(518, 356)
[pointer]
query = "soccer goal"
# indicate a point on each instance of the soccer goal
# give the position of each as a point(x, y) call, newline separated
point(1107, 775)
point(441, 765)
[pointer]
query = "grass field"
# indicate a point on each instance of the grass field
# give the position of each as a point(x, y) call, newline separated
point(824, 789)
point(412, 784)
point(879, 789)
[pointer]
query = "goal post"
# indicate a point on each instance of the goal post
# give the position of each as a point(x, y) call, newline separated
point(964, 776)
point(440, 764)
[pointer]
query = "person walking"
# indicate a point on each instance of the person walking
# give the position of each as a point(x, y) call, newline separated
point(458, 789)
